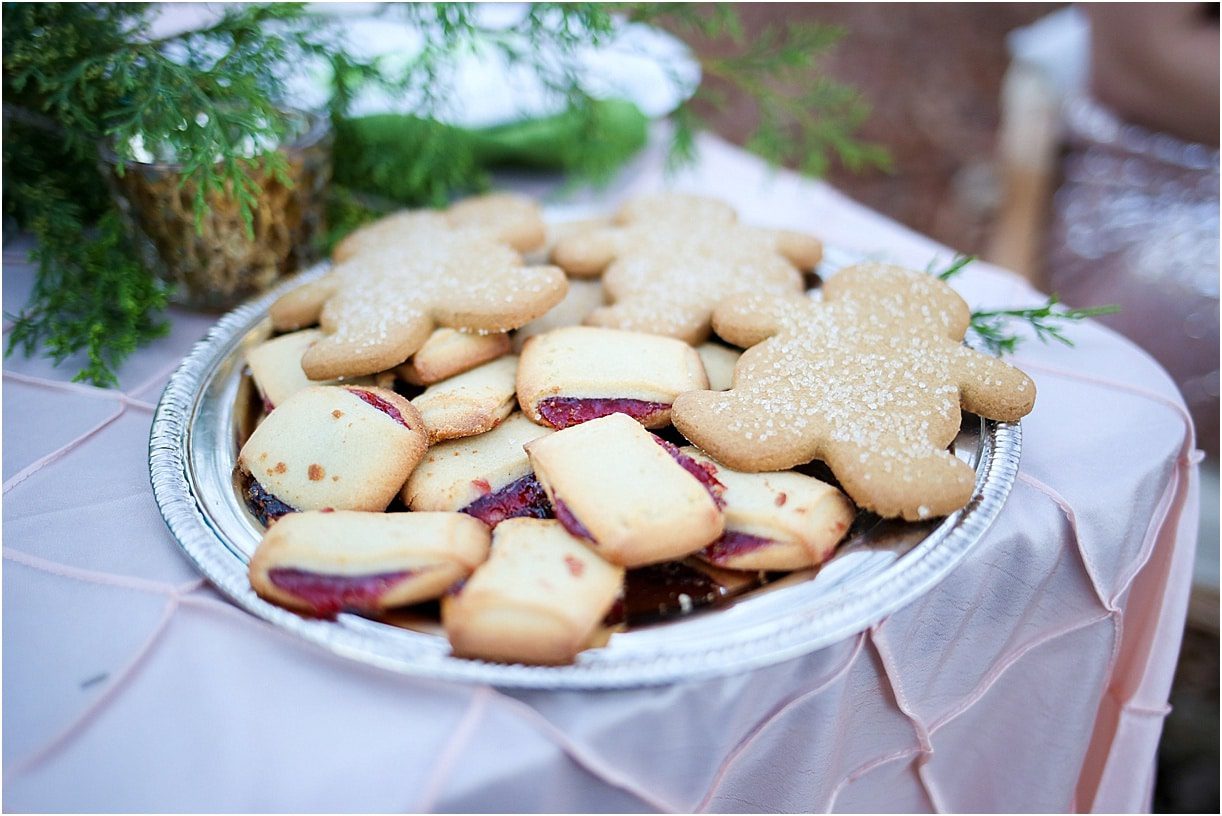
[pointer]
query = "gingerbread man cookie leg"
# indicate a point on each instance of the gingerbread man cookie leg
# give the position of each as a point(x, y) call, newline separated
point(899, 484)
point(583, 297)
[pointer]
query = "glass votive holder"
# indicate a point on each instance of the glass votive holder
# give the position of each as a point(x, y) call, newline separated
point(215, 263)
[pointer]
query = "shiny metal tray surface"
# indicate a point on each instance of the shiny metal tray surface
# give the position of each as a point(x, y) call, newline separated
point(193, 449)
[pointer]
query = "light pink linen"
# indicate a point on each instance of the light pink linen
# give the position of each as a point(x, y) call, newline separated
point(1035, 677)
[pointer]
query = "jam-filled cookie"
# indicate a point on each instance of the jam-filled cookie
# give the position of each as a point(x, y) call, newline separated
point(324, 563)
point(449, 352)
point(582, 298)
point(719, 362)
point(636, 497)
point(275, 366)
point(576, 374)
point(540, 597)
point(776, 521)
point(338, 447)
point(471, 403)
point(487, 476)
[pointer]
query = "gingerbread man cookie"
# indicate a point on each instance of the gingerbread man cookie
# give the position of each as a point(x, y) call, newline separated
point(870, 380)
point(505, 217)
point(379, 306)
point(670, 259)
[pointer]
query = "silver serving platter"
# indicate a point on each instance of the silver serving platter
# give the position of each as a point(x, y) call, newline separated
point(193, 449)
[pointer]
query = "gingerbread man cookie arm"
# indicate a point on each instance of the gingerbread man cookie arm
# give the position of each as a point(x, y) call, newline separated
point(585, 254)
point(748, 321)
point(801, 250)
point(533, 291)
point(728, 426)
point(505, 217)
point(301, 307)
point(990, 388)
point(339, 353)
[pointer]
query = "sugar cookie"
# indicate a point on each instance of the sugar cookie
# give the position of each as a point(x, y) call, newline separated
point(670, 259)
point(870, 380)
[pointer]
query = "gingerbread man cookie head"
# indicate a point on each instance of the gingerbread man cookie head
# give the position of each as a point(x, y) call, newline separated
point(668, 260)
point(504, 217)
point(379, 307)
point(871, 380)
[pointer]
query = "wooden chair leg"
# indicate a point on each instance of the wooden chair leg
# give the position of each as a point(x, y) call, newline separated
point(1028, 144)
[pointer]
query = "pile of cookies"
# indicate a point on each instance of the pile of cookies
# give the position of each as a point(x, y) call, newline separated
point(536, 430)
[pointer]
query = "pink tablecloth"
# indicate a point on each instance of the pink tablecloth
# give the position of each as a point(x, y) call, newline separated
point(1035, 677)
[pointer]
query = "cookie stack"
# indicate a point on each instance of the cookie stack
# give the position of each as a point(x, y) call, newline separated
point(522, 486)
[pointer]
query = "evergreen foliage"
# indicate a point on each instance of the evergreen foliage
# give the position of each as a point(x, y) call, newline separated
point(80, 76)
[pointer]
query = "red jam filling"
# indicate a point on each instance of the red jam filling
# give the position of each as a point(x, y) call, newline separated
point(381, 404)
point(522, 498)
point(704, 472)
point(266, 507)
point(565, 412)
point(328, 595)
point(732, 544)
point(570, 522)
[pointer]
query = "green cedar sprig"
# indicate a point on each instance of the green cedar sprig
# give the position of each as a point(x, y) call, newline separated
point(1049, 322)
point(993, 326)
point(79, 75)
point(91, 294)
point(955, 267)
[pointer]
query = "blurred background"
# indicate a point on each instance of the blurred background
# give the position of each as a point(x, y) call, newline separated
point(1077, 146)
